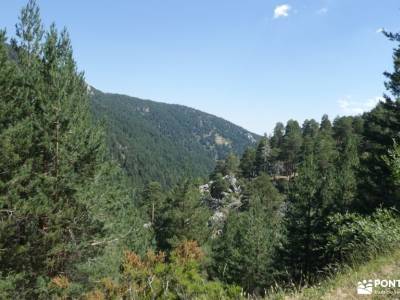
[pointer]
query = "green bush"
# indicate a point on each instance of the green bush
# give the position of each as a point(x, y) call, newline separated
point(356, 237)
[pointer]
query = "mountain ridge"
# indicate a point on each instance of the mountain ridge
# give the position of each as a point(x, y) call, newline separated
point(165, 142)
point(163, 148)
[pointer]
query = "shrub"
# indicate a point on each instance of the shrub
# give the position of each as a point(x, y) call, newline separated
point(152, 277)
point(356, 237)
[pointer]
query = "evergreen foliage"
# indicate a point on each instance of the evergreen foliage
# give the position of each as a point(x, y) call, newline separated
point(162, 142)
point(73, 224)
point(219, 186)
point(263, 153)
point(184, 217)
point(53, 158)
point(291, 146)
point(244, 253)
point(247, 168)
point(381, 126)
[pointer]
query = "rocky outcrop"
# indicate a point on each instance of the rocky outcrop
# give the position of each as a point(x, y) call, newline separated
point(231, 199)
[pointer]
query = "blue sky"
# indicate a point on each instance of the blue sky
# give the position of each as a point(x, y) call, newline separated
point(253, 62)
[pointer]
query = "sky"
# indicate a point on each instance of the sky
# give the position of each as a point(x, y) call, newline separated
point(252, 62)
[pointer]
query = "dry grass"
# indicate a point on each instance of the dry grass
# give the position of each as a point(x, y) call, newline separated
point(343, 285)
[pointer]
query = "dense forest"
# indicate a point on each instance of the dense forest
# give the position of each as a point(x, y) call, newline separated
point(165, 142)
point(287, 212)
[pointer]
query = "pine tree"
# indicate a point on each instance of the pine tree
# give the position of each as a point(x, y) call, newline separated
point(347, 164)
point(310, 132)
point(53, 214)
point(262, 161)
point(262, 188)
point(326, 124)
point(277, 166)
point(291, 147)
point(244, 253)
point(310, 128)
point(311, 201)
point(228, 166)
point(231, 164)
point(302, 254)
point(184, 217)
point(382, 125)
point(277, 137)
point(15, 136)
point(393, 162)
point(325, 151)
point(219, 186)
point(152, 201)
point(247, 162)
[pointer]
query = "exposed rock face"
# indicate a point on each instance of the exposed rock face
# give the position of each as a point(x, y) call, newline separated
point(231, 200)
point(220, 140)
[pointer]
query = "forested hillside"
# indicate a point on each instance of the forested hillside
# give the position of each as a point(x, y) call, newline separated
point(295, 208)
point(165, 142)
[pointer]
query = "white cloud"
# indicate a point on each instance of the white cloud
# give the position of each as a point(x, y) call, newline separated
point(282, 11)
point(379, 30)
point(322, 11)
point(350, 107)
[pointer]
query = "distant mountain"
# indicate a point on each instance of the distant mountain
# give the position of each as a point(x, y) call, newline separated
point(165, 142)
